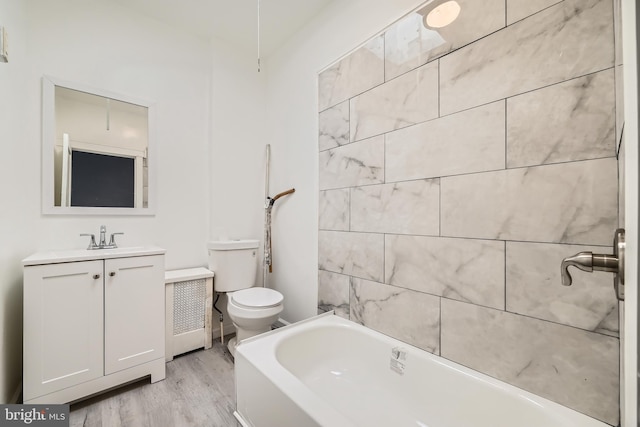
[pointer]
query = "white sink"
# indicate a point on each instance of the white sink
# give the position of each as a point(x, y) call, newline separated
point(52, 257)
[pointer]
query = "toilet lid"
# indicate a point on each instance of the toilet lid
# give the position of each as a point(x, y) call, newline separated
point(257, 297)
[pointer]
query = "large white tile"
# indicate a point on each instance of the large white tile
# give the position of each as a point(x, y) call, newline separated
point(462, 269)
point(404, 101)
point(520, 9)
point(333, 210)
point(355, 164)
point(359, 71)
point(564, 203)
point(333, 293)
point(575, 368)
point(333, 126)
point(573, 120)
point(534, 287)
point(470, 141)
point(409, 43)
point(407, 315)
point(356, 254)
point(410, 207)
point(570, 39)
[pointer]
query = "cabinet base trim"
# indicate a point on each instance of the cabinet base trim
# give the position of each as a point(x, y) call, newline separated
point(156, 368)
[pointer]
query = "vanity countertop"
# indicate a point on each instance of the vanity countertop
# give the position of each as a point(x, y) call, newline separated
point(72, 255)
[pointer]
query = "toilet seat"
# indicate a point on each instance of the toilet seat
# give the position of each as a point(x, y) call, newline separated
point(257, 298)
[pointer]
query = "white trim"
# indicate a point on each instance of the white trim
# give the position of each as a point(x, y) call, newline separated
point(65, 181)
point(90, 147)
point(629, 338)
point(97, 91)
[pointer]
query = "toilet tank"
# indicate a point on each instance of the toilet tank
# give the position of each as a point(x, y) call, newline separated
point(234, 263)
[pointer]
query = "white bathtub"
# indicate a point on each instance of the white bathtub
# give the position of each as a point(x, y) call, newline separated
point(328, 371)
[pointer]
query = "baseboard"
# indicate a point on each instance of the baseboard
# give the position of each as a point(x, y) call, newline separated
point(16, 394)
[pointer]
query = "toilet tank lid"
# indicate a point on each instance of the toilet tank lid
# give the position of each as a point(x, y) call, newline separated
point(228, 245)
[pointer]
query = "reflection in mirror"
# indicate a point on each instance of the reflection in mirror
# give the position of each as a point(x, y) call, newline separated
point(96, 151)
point(101, 151)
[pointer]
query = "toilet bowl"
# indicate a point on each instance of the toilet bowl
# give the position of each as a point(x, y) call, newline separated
point(252, 309)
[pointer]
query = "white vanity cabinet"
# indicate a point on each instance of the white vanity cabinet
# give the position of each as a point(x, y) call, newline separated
point(92, 320)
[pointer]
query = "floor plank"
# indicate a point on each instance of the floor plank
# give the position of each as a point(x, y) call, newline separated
point(199, 390)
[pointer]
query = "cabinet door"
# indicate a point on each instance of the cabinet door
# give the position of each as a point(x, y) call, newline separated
point(134, 311)
point(63, 326)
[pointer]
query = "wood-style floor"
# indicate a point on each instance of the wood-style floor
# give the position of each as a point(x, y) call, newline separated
point(199, 390)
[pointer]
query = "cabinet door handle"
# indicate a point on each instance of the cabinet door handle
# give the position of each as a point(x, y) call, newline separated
point(113, 273)
point(96, 276)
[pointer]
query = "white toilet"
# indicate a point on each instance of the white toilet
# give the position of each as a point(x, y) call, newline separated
point(252, 309)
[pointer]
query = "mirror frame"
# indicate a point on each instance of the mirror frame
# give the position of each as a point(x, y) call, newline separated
point(48, 143)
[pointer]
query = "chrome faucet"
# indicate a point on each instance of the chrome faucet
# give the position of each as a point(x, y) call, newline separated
point(103, 231)
point(588, 261)
point(103, 240)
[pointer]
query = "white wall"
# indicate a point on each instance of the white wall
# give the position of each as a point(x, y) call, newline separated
point(238, 144)
point(292, 123)
point(237, 151)
point(14, 232)
point(101, 44)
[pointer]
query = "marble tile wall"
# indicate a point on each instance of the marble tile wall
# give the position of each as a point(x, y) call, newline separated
point(458, 167)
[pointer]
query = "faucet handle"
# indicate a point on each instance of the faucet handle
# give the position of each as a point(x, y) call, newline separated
point(582, 260)
point(112, 240)
point(588, 261)
point(92, 243)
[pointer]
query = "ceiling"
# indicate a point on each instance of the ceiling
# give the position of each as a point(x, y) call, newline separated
point(235, 21)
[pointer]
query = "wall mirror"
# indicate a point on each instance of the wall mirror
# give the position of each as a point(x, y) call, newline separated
point(97, 151)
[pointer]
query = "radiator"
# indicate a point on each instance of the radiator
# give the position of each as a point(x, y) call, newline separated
point(188, 303)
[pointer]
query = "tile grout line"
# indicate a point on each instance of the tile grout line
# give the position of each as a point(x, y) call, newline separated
point(439, 84)
point(471, 173)
point(505, 275)
point(506, 13)
point(506, 138)
point(440, 208)
point(384, 259)
point(440, 329)
point(474, 238)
